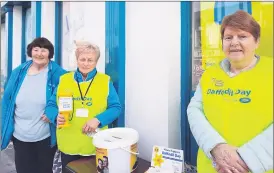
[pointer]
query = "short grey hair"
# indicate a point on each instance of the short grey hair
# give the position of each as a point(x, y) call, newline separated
point(86, 47)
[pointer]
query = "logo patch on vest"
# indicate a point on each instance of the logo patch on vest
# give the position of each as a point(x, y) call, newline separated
point(217, 82)
point(229, 92)
point(88, 103)
point(243, 94)
point(88, 100)
point(245, 100)
point(79, 98)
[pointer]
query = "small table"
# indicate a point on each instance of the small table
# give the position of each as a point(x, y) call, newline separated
point(89, 166)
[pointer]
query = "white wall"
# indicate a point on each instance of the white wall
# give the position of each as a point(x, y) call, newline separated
point(17, 36)
point(152, 71)
point(4, 61)
point(6, 38)
point(83, 21)
point(3, 3)
point(33, 19)
point(173, 40)
point(29, 36)
point(48, 21)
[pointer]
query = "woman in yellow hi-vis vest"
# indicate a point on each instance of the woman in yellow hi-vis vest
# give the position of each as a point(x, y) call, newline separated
point(87, 100)
point(231, 113)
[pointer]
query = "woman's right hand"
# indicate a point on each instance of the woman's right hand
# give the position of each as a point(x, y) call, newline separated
point(228, 160)
point(60, 120)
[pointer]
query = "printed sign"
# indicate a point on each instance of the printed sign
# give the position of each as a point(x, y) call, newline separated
point(65, 104)
point(168, 159)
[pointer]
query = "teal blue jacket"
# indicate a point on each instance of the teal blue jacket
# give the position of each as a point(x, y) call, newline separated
point(10, 94)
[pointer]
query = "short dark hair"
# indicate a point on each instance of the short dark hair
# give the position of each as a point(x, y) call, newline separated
point(241, 20)
point(41, 42)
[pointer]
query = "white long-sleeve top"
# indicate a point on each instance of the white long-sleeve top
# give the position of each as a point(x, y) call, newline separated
point(257, 153)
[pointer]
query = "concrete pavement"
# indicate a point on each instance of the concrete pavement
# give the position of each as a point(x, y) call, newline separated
point(7, 160)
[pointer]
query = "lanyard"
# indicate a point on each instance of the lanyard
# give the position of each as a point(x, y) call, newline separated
point(82, 98)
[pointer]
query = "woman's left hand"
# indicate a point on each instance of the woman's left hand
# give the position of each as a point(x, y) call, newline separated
point(45, 118)
point(91, 125)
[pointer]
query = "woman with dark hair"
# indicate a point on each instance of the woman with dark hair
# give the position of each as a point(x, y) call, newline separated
point(105, 164)
point(231, 113)
point(100, 168)
point(26, 119)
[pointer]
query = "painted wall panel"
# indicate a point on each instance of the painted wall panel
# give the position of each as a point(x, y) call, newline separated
point(4, 61)
point(17, 36)
point(29, 36)
point(153, 51)
point(48, 21)
point(82, 21)
point(115, 52)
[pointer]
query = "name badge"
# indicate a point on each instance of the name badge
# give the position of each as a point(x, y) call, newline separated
point(82, 112)
point(65, 104)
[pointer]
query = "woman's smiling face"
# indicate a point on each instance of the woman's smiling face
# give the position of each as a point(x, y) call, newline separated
point(40, 56)
point(239, 45)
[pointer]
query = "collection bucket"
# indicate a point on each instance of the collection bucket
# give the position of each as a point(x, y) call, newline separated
point(116, 150)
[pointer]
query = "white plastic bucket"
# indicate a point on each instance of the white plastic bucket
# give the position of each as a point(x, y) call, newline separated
point(116, 150)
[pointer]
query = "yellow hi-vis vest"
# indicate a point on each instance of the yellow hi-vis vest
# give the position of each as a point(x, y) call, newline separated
point(238, 108)
point(71, 140)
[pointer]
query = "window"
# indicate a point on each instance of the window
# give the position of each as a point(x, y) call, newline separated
point(206, 20)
